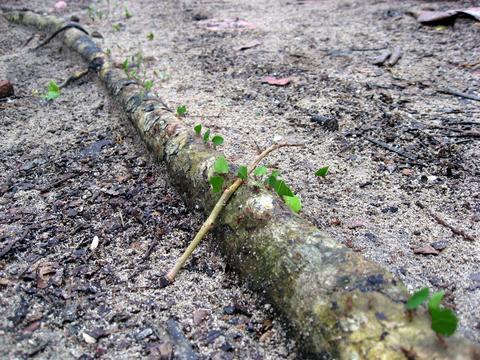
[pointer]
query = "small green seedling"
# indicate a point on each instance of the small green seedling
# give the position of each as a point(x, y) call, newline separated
point(242, 172)
point(221, 166)
point(217, 183)
point(206, 136)
point(150, 36)
point(322, 172)
point(217, 140)
point(444, 321)
point(53, 91)
point(148, 85)
point(260, 171)
point(92, 13)
point(282, 189)
point(125, 65)
point(128, 15)
point(417, 299)
point(293, 202)
point(198, 129)
point(181, 110)
point(117, 27)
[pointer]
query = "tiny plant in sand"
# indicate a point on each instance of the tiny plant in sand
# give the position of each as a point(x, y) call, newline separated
point(128, 14)
point(117, 27)
point(181, 110)
point(93, 13)
point(322, 172)
point(444, 321)
point(148, 84)
point(53, 91)
point(217, 181)
point(150, 36)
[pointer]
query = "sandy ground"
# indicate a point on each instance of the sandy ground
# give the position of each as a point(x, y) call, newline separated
point(369, 200)
point(72, 170)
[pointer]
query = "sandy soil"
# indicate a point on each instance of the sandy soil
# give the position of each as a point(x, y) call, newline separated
point(369, 200)
point(72, 170)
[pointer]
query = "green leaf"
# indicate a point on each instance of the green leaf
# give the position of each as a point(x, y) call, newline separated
point(293, 202)
point(150, 36)
point(283, 189)
point(148, 85)
point(125, 65)
point(206, 136)
point(260, 171)
point(53, 91)
point(198, 129)
point(322, 172)
point(221, 166)
point(181, 110)
point(128, 15)
point(272, 179)
point(417, 299)
point(217, 140)
point(217, 183)
point(435, 300)
point(242, 172)
point(444, 321)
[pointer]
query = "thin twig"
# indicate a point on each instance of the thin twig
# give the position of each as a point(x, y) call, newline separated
point(394, 149)
point(76, 76)
point(441, 221)
point(63, 28)
point(217, 209)
point(451, 91)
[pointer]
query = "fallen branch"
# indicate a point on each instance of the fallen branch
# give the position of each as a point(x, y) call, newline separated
point(336, 303)
point(441, 221)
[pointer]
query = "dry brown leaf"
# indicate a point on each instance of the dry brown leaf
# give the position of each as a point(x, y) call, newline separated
point(42, 271)
point(426, 250)
point(272, 80)
point(446, 17)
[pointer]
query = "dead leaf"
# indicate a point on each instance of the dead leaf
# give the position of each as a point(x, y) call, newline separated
point(272, 80)
point(266, 336)
point(356, 224)
point(88, 338)
point(94, 243)
point(42, 271)
point(436, 17)
point(226, 24)
point(426, 250)
point(199, 315)
point(31, 327)
point(5, 281)
point(445, 17)
point(474, 12)
point(249, 45)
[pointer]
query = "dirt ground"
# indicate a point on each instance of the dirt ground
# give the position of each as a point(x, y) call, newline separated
point(72, 170)
point(401, 140)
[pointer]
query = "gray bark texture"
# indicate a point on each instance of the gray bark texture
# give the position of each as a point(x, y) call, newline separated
point(336, 303)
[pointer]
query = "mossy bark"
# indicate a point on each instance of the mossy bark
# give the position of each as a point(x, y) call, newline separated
point(338, 304)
